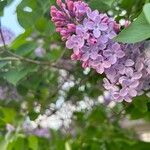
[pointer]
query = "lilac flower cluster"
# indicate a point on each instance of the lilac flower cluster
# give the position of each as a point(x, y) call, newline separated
point(8, 93)
point(130, 75)
point(90, 33)
point(7, 35)
point(66, 18)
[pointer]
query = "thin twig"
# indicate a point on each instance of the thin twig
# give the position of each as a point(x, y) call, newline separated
point(28, 59)
point(9, 59)
point(18, 56)
point(58, 64)
point(2, 37)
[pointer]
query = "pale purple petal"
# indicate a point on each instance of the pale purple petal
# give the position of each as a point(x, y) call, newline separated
point(113, 59)
point(128, 99)
point(123, 92)
point(90, 25)
point(103, 26)
point(69, 44)
point(116, 47)
point(120, 54)
point(111, 35)
point(85, 56)
point(123, 78)
point(96, 33)
point(102, 46)
point(103, 39)
point(137, 75)
point(92, 14)
point(94, 55)
point(134, 84)
point(129, 71)
point(132, 92)
point(107, 53)
point(100, 69)
point(117, 97)
point(76, 50)
point(106, 64)
point(129, 62)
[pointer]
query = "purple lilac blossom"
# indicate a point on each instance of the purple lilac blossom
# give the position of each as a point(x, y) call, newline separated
point(41, 132)
point(7, 92)
point(7, 35)
point(10, 128)
point(90, 33)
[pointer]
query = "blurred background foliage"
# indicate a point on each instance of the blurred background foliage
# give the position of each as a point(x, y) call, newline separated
point(37, 78)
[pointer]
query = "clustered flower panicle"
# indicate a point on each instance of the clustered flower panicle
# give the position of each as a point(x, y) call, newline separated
point(89, 34)
point(7, 35)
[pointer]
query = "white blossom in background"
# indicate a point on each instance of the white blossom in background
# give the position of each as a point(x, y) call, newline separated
point(54, 46)
point(10, 128)
point(62, 117)
point(39, 52)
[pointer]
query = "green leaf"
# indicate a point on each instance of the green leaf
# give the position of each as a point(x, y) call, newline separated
point(17, 142)
point(138, 31)
point(4, 145)
point(7, 118)
point(41, 24)
point(2, 6)
point(33, 142)
point(54, 54)
point(28, 13)
point(21, 39)
point(26, 49)
point(127, 4)
point(45, 26)
point(101, 4)
point(68, 146)
point(46, 4)
point(133, 7)
point(97, 115)
point(146, 11)
point(15, 75)
point(33, 115)
point(3, 63)
point(140, 103)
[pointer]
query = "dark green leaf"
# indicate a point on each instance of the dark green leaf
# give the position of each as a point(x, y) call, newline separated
point(26, 49)
point(3, 63)
point(3, 3)
point(28, 13)
point(140, 103)
point(15, 75)
point(33, 142)
point(146, 10)
point(101, 4)
point(138, 31)
point(21, 39)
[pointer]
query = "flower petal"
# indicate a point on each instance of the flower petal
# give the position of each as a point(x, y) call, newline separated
point(129, 63)
point(96, 33)
point(103, 26)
